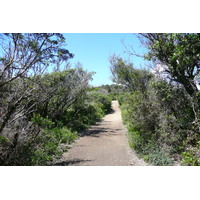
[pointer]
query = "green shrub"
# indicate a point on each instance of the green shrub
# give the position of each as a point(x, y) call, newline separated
point(64, 129)
point(46, 145)
point(162, 113)
point(3, 139)
point(189, 159)
point(136, 140)
point(103, 100)
point(159, 158)
point(64, 135)
point(87, 111)
point(81, 116)
point(152, 123)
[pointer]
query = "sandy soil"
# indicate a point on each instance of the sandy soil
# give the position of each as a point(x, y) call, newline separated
point(104, 144)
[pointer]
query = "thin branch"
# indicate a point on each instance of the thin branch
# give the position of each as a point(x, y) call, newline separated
point(132, 51)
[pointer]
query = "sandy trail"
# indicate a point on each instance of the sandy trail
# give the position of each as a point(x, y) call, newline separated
point(104, 144)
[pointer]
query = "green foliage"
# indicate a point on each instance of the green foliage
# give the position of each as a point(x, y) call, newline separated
point(162, 119)
point(180, 53)
point(103, 100)
point(64, 89)
point(3, 139)
point(79, 116)
point(191, 156)
point(47, 145)
point(24, 93)
point(42, 122)
point(112, 91)
point(64, 135)
point(136, 140)
point(189, 159)
point(165, 123)
point(124, 73)
point(159, 158)
point(147, 147)
point(60, 106)
point(39, 111)
point(47, 142)
point(22, 52)
point(89, 109)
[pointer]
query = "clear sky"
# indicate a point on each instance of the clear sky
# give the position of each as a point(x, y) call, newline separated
point(93, 50)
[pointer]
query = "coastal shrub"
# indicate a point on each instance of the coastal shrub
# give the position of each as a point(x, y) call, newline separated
point(161, 117)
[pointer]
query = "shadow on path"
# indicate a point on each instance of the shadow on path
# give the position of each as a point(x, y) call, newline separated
point(70, 162)
point(97, 128)
point(112, 111)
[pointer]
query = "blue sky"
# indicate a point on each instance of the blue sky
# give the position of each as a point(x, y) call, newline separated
point(93, 50)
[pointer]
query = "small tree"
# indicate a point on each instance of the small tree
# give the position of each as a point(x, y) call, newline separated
point(23, 59)
point(29, 53)
point(23, 56)
point(124, 73)
point(180, 52)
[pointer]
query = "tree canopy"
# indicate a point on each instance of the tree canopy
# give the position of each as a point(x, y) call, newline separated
point(20, 53)
point(180, 52)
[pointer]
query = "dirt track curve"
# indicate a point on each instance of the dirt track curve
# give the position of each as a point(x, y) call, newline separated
point(104, 144)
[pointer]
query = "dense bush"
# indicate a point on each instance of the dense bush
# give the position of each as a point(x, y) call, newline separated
point(112, 90)
point(46, 146)
point(89, 109)
point(23, 61)
point(167, 123)
point(103, 100)
point(162, 119)
point(47, 110)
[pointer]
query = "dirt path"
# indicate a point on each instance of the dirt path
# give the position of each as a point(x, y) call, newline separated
point(105, 144)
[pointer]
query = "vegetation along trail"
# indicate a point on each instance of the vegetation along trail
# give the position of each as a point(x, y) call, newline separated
point(104, 144)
